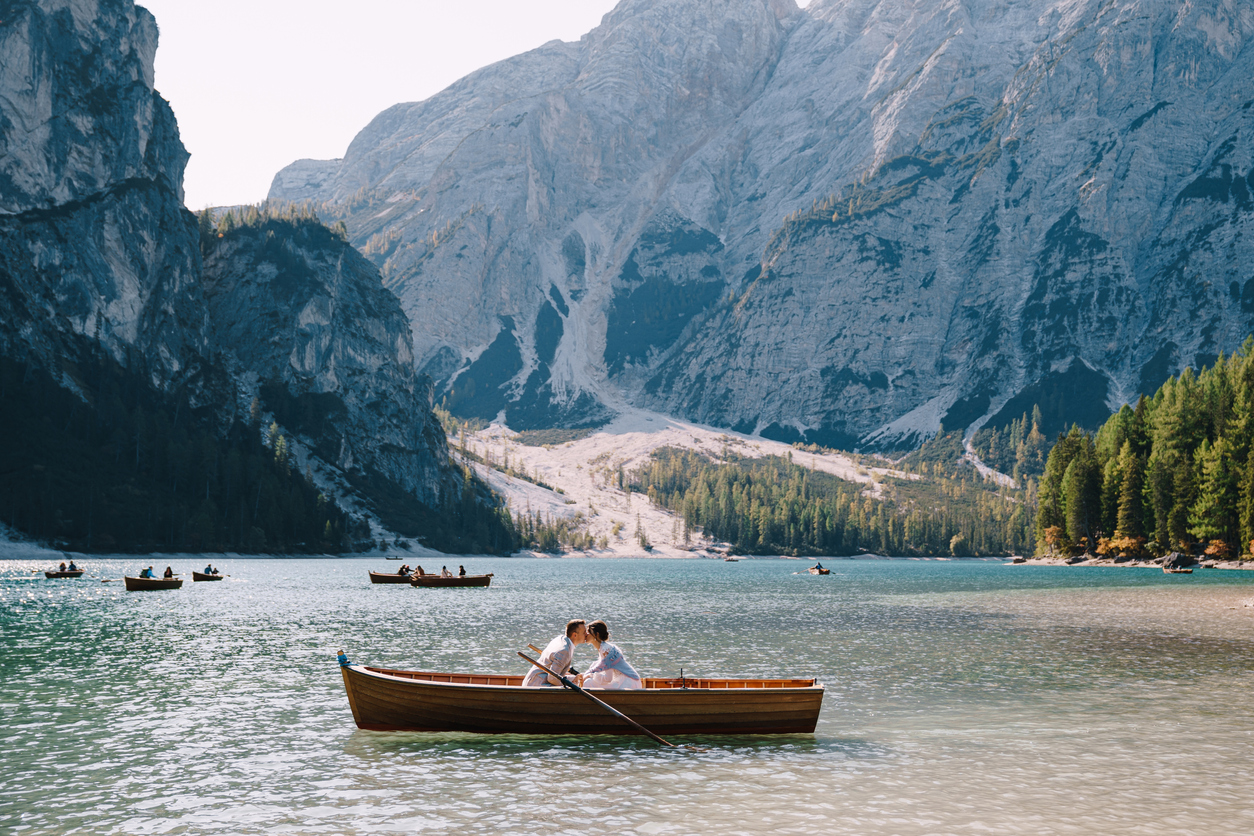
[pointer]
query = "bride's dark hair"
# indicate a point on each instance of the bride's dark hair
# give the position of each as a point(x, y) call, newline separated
point(598, 629)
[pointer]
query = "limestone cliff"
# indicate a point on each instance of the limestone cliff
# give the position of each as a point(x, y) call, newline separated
point(98, 254)
point(306, 317)
point(849, 223)
point(94, 240)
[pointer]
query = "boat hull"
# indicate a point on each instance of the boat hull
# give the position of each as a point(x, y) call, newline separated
point(201, 576)
point(77, 573)
point(439, 581)
point(814, 571)
point(149, 584)
point(386, 700)
point(388, 577)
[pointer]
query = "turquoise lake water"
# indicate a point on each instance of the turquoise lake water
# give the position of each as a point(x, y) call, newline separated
point(962, 697)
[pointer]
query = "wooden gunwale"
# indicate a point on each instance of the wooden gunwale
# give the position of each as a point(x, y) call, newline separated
point(388, 577)
point(151, 584)
point(430, 581)
point(650, 683)
point(382, 699)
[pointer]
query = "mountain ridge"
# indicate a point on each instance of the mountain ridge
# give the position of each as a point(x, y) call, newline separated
point(851, 225)
point(182, 334)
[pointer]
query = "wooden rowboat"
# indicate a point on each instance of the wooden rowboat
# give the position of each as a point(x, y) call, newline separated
point(392, 700)
point(388, 577)
point(201, 576)
point(814, 571)
point(1175, 570)
point(454, 580)
point(144, 584)
point(69, 573)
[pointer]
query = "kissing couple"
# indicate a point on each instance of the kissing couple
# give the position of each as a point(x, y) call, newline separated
point(610, 671)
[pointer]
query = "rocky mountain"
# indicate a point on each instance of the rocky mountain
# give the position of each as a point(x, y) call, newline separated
point(94, 240)
point(848, 224)
point(311, 328)
point(107, 283)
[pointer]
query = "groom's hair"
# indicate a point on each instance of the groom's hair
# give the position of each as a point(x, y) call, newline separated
point(573, 625)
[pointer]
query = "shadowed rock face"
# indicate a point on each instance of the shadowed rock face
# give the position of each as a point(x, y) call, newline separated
point(306, 313)
point(848, 223)
point(97, 249)
point(94, 239)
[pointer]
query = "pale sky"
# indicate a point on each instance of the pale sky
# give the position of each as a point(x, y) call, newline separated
point(256, 84)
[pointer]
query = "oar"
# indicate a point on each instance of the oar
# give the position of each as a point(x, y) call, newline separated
point(604, 705)
point(538, 651)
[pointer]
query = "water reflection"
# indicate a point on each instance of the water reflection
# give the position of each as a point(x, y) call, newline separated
point(960, 697)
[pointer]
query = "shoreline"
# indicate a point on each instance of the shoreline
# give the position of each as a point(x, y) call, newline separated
point(1146, 563)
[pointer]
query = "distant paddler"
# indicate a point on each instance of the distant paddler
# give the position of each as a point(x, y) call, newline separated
point(557, 656)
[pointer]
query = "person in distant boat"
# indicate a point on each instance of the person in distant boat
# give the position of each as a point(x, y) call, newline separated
point(62, 569)
point(611, 670)
point(208, 569)
point(418, 571)
point(73, 568)
point(146, 573)
point(818, 565)
point(557, 656)
point(215, 571)
point(169, 572)
point(404, 570)
point(461, 571)
point(445, 573)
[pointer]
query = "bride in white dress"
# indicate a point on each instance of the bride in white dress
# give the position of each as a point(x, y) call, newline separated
point(611, 670)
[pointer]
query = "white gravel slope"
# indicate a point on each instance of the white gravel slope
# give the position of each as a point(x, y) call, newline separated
point(586, 472)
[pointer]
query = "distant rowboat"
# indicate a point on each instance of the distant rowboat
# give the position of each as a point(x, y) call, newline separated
point(201, 576)
point(450, 580)
point(1175, 570)
point(816, 571)
point(393, 700)
point(145, 584)
point(388, 577)
point(69, 573)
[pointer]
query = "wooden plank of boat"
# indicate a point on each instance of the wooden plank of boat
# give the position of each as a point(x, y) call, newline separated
point(452, 580)
point(392, 700)
point(388, 577)
point(144, 584)
point(201, 576)
point(69, 573)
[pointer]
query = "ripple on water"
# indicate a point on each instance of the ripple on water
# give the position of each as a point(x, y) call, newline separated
point(961, 697)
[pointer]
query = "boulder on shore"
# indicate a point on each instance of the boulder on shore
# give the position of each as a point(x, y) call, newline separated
point(1178, 560)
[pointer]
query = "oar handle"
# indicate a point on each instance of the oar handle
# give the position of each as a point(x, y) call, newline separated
point(596, 700)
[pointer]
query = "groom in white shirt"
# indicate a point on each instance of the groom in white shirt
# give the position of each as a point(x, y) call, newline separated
point(557, 656)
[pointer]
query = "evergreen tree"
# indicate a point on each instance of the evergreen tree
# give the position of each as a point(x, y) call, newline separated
point(1182, 503)
point(1214, 512)
point(1112, 487)
point(1245, 520)
point(1161, 488)
point(1131, 520)
point(1082, 495)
